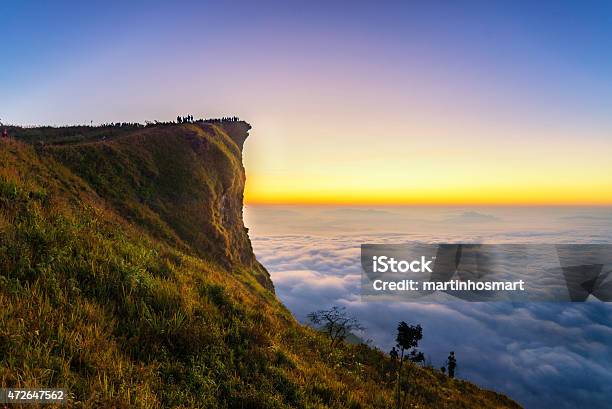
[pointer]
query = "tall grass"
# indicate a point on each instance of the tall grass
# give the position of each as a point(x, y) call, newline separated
point(129, 311)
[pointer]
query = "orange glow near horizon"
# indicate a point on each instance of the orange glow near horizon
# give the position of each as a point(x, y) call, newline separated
point(596, 193)
point(472, 192)
point(389, 198)
point(425, 171)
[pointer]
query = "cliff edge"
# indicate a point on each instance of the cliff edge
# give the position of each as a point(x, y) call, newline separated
point(127, 277)
point(183, 183)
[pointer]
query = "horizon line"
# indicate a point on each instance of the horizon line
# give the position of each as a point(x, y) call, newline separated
point(423, 204)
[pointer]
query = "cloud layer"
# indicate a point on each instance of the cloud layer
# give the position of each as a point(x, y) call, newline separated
point(544, 355)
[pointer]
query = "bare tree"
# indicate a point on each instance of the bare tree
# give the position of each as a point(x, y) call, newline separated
point(336, 323)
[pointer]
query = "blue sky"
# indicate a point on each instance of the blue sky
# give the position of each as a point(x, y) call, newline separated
point(556, 51)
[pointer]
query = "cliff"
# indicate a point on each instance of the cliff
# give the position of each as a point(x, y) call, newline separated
point(183, 183)
point(127, 277)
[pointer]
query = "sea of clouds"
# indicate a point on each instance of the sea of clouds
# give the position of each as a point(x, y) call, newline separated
point(542, 354)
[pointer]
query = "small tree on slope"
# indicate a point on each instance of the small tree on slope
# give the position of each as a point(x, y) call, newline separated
point(336, 323)
point(408, 337)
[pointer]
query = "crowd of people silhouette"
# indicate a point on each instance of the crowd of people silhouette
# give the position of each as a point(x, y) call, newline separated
point(189, 119)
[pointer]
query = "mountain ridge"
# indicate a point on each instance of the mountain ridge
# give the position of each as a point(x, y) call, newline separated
point(128, 278)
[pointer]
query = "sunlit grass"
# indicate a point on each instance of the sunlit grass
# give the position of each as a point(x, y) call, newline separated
point(111, 288)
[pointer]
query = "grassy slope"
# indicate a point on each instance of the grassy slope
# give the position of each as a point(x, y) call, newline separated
point(127, 277)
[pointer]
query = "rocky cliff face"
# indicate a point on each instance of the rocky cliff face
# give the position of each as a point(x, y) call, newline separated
point(184, 182)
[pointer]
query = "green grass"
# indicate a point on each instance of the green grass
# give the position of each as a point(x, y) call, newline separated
point(127, 277)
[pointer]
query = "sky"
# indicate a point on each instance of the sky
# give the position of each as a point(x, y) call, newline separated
point(351, 102)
